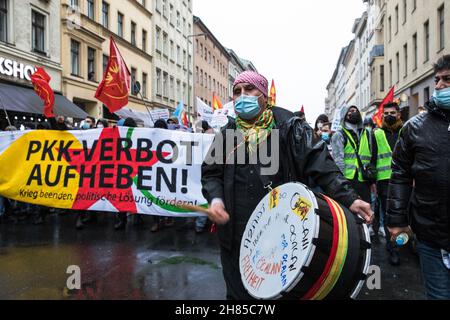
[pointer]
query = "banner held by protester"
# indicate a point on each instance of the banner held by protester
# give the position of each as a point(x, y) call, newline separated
point(144, 171)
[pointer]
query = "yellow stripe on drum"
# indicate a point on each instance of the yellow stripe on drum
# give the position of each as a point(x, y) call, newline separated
point(341, 255)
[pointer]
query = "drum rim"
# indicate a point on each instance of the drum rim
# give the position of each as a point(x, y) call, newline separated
point(311, 250)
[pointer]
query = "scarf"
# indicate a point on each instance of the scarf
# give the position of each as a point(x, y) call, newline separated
point(255, 133)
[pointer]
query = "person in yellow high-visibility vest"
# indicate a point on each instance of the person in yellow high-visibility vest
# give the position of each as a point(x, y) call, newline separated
point(385, 140)
point(351, 141)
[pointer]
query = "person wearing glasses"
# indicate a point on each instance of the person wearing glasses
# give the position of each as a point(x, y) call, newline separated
point(385, 139)
point(419, 189)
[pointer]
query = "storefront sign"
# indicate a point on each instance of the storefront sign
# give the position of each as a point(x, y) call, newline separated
point(16, 69)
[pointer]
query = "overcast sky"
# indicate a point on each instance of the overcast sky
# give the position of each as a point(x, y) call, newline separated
point(297, 43)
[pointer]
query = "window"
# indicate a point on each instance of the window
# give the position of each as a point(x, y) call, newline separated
point(38, 32)
point(206, 80)
point(382, 78)
point(426, 31)
point(164, 8)
point(165, 44)
point(397, 57)
point(105, 63)
point(178, 55)
point(171, 16)
point(201, 78)
point(185, 92)
point(206, 54)
point(158, 5)
point(391, 81)
point(184, 59)
point(4, 20)
point(414, 5)
point(415, 54)
point(90, 9)
point(196, 74)
point(144, 85)
point(75, 57)
point(178, 20)
point(172, 51)
point(74, 4)
point(426, 94)
point(133, 33)
point(178, 90)
point(405, 54)
point(133, 81)
point(91, 64)
point(441, 21)
point(158, 82)
point(390, 28)
point(165, 85)
point(120, 24)
point(396, 19)
point(405, 10)
point(158, 39)
point(196, 46)
point(172, 88)
point(144, 40)
point(105, 14)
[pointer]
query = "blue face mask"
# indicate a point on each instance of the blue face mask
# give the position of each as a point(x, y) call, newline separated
point(442, 98)
point(326, 136)
point(85, 126)
point(247, 107)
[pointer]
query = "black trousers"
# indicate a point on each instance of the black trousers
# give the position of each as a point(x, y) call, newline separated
point(382, 188)
point(232, 275)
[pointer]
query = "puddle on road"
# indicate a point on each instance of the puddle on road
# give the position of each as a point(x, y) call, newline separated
point(188, 260)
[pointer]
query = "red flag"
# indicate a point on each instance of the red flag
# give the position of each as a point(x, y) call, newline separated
point(273, 94)
point(41, 83)
point(184, 119)
point(378, 117)
point(303, 109)
point(217, 105)
point(114, 89)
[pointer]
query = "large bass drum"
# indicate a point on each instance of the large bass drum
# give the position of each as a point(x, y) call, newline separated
point(303, 246)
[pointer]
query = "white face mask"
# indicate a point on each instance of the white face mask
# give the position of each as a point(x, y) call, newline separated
point(100, 126)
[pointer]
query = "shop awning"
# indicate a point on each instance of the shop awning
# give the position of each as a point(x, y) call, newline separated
point(21, 99)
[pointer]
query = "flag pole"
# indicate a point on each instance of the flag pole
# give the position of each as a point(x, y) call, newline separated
point(146, 107)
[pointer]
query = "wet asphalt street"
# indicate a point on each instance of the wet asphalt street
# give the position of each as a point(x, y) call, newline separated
point(173, 264)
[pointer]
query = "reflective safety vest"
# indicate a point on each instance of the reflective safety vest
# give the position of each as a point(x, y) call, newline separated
point(384, 156)
point(351, 163)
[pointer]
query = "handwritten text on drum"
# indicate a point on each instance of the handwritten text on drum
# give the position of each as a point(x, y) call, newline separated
point(250, 275)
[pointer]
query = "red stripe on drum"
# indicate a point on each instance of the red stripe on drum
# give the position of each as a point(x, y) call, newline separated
point(317, 286)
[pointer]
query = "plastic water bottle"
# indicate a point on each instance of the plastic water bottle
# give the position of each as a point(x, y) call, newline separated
point(402, 239)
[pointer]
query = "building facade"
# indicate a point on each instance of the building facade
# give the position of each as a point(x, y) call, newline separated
point(396, 48)
point(211, 63)
point(235, 67)
point(172, 51)
point(417, 34)
point(29, 38)
point(86, 28)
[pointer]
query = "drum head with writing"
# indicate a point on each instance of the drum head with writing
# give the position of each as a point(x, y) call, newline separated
point(277, 242)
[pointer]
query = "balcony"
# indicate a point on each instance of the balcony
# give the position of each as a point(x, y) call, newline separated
point(377, 51)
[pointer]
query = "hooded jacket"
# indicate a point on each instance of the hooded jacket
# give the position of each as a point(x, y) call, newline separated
point(301, 158)
point(422, 158)
point(339, 139)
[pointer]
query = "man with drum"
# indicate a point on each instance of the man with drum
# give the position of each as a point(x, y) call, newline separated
point(234, 188)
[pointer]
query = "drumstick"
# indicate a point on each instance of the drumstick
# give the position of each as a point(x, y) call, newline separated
point(195, 209)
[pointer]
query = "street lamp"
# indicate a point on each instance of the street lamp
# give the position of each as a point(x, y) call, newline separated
point(189, 70)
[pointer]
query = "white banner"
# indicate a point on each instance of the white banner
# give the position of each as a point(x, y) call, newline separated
point(204, 112)
point(134, 170)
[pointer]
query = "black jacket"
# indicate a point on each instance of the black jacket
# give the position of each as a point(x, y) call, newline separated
point(301, 157)
point(422, 158)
